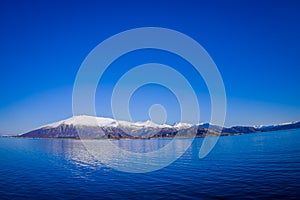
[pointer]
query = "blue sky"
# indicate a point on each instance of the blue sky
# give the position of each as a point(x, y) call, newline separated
point(255, 45)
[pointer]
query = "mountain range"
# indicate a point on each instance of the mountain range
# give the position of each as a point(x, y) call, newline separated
point(90, 127)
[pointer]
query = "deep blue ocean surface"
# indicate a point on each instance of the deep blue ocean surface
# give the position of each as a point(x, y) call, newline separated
point(261, 165)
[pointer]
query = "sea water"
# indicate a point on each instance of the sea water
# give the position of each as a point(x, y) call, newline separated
point(259, 165)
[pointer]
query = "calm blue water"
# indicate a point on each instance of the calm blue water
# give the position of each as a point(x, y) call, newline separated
point(248, 166)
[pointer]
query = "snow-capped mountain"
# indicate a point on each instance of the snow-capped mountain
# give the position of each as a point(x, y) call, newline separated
point(84, 120)
point(91, 127)
point(276, 125)
point(100, 127)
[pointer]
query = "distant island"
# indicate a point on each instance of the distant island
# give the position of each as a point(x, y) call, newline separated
point(89, 127)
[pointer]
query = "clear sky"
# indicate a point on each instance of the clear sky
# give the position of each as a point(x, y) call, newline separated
point(255, 44)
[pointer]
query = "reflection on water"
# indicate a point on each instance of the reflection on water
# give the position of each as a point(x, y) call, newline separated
point(73, 151)
point(139, 155)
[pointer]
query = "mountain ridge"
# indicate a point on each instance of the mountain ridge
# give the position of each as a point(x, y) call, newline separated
point(90, 127)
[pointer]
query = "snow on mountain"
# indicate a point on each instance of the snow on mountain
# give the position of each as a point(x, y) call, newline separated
point(275, 125)
point(181, 125)
point(146, 124)
point(288, 123)
point(92, 121)
point(84, 120)
point(263, 126)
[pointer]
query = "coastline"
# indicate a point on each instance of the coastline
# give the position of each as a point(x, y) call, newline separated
point(142, 138)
